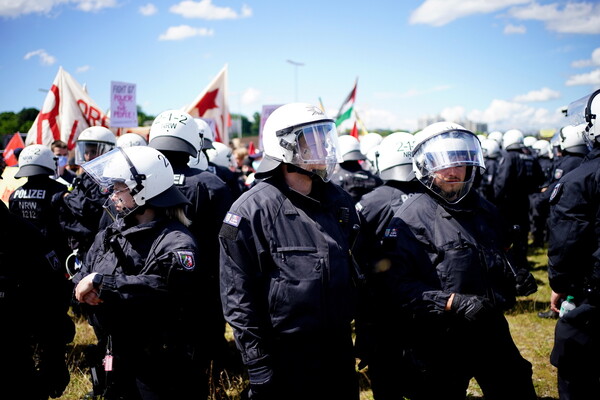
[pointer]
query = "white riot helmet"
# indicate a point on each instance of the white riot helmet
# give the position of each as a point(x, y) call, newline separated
point(349, 148)
point(490, 148)
point(496, 135)
point(368, 141)
point(131, 139)
point(222, 155)
point(512, 139)
point(301, 135)
point(36, 159)
point(586, 111)
point(571, 139)
point(395, 157)
point(543, 148)
point(144, 170)
point(175, 130)
point(93, 141)
point(445, 145)
point(529, 140)
point(207, 136)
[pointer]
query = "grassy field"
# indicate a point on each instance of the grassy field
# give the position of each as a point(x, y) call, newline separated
point(533, 335)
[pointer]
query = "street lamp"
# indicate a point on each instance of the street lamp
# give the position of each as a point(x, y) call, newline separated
point(296, 64)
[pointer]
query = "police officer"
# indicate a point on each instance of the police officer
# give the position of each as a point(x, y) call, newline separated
point(519, 175)
point(376, 210)
point(35, 325)
point(491, 157)
point(574, 263)
point(80, 208)
point(445, 266)
point(140, 277)
point(177, 135)
point(542, 150)
point(286, 269)
point(349, 174)
point(33, 200)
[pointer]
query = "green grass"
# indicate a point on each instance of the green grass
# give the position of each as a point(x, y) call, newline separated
point(533, 335)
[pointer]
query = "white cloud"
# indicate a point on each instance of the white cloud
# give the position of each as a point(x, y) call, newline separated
point(183, 32)
point(148, 9)
point(250, 96)
point(45, 58)
point(590, 78)
point(580, 17)
point(94, 5)
point(16, 8)
point(514, 29)
point(544, 94)
point(503, 115)
point(411, 93)
point(595, 60)
point(204, 9)
point(442, 12)
point(454, 114)
point(82, 69)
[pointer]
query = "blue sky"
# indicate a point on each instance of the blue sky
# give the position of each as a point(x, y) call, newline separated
point(509, 63)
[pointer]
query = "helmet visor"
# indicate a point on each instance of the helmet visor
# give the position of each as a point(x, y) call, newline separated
point(448, 149)
point(87, 151)
point(317, 149)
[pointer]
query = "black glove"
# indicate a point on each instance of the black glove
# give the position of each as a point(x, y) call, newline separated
point(470, 307)
point(525, 283)
point(261, 383)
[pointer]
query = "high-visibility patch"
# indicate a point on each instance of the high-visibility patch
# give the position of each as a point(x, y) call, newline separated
point(186, 259)
point(232, 219)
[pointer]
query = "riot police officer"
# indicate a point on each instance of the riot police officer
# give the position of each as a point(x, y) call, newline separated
point(178, 136)
point(376, 210)
point(140, 278)
point(286, 264)
point(574, 263)
point(445, 265)
point(350, 174)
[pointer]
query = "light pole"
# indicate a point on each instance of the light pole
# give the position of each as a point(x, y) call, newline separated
point(296, 64)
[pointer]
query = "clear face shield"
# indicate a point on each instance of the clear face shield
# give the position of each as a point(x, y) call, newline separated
point(446, 164)
point(316, 149)
point(580, 112)
point(87, 151)
point(116, 176)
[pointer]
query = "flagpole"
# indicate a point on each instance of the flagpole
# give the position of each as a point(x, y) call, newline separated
point(296, 64)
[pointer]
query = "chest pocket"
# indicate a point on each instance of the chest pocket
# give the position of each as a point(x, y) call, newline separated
point(461, 269)
point(298, 262)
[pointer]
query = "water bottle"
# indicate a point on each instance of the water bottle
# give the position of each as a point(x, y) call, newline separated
point(566, 306)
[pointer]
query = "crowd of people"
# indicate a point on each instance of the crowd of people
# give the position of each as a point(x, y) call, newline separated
point(315, 251)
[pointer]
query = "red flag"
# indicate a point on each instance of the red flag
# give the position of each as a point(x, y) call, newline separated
point(15, 142)
point(212, 103)
point(67, 111)
point(354, 131)
point(251, 149)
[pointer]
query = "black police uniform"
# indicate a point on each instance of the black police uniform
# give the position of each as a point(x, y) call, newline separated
point(538, 209)
point(232, 179)
point(354, 179)
point(35, 325)
point(150, 278)
point(519, 175)
point(433, 249)
point(574, 269)
point(33, 202)
point(485, 184)
point(376, 209)
point(287, 288)
point(80, 212)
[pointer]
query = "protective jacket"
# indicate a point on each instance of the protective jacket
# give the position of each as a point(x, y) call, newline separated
point(287, 285)
point(355, 180)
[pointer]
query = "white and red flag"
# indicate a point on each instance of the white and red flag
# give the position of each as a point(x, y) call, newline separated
point(67, 111)
point(212, 103)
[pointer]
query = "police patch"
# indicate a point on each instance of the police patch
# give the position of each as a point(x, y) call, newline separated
point(391, 232)
point(558, 173)
point(232, 219)
point(186, 259)
point(53, 260)
point(555, 191)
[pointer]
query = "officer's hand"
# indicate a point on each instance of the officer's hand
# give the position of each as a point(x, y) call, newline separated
point(470, 307)
point(525, 283)
point(261, 383)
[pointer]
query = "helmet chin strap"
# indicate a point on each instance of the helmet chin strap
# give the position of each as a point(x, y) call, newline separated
point(139, 178)
point(298, 170)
